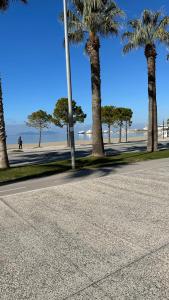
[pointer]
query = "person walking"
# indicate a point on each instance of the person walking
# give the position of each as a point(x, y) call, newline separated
point(20, 142)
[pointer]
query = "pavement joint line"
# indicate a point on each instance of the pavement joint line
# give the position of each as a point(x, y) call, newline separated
point(130, 244)
point(125, 266)
point(103, 229)
point(16, 212)
point(39, 233)
point(98, 283)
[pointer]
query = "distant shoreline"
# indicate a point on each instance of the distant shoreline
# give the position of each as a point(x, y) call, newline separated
point(61, 138)
point(63, 144)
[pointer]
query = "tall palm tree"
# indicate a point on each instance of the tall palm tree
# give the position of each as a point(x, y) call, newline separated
point(88, 20)
point(4, 163)
point(146, 32)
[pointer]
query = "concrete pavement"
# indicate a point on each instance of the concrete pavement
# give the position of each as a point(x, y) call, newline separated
point(49, 154)
point(101, 238)
point(76, 176)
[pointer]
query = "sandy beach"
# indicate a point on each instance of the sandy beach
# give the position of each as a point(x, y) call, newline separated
point(63, 145)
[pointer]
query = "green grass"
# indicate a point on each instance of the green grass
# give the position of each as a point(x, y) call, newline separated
point(33, 171)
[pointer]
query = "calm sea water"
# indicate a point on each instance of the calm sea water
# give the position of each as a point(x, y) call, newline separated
point(58, 137)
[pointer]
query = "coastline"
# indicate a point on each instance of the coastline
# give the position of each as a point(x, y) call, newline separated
point(63, 144)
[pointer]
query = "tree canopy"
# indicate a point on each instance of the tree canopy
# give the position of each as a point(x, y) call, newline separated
point(61, 113)
point(122, 115)
point(127, 115)
point(108, 115)
point(39, 119)
point(150, 29)
point(97, 16)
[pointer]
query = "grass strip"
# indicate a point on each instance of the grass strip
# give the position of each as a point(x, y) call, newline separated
point(40, 170)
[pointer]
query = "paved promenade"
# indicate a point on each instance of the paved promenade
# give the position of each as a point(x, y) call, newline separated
point(53, 153)
point(103, 238)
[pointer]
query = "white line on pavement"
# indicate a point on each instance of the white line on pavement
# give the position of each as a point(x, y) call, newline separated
point(10, 190)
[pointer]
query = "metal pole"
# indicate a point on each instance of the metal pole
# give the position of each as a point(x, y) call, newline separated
point(163, 130)
point(69, 86)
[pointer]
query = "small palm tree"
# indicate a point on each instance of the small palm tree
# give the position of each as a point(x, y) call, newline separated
point(146, 32)
point(4, 163)
point(88, 21)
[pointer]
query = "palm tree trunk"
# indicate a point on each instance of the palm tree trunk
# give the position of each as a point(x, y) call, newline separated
point(109, 127)
point(40, 137)
point(93, 46)
point(155, 126)
point(152, 139)
point(4, 163)
point(126, 132)
point(120, 129)
point(68, 135)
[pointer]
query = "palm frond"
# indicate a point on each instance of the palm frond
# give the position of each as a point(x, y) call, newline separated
point(135, 24)
point(163, 37)
point(146, 17)
point(74, 22)
point(105, 19)
point(76, 37)
point(164, 22)
point(100, 17)
point(4, 4)
point(150, 29)
point(79, 5)
point(155, 18)
point(127, 35)
point(128, 47)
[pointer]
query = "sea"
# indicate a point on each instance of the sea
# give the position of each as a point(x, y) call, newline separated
point(33, 137)
point(56, 134)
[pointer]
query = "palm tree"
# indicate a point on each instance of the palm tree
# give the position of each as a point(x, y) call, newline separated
point(88, 20)
point(4, 163)
point(146, 32)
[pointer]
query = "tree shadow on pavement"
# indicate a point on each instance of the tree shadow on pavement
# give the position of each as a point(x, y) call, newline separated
point(51, 156)
point(86, 169)
point(36, 158)
point(97, 168)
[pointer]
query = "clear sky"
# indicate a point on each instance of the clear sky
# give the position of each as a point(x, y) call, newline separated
point(32, 64)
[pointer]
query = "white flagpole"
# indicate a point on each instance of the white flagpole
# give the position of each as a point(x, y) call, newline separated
point(69, 86)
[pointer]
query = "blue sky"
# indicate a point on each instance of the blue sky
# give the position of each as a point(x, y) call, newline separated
point(32, 64)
